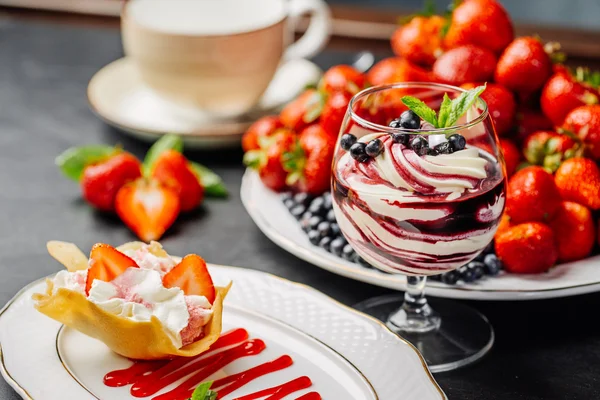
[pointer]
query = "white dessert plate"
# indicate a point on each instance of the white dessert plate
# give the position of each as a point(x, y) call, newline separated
point(118, 96)
point(346, 354)
point(275, 221)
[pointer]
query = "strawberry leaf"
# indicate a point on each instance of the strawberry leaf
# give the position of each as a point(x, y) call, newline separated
point(167, 142)
point(444, 112)
point(421, 109)
point(314, 107)
point(212, 183)
point(73, 161)
point(293, 161)
point(254, 159)
point(461, 104)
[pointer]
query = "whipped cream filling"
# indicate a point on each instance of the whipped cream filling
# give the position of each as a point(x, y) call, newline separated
point(70, 280)
point(146, 260)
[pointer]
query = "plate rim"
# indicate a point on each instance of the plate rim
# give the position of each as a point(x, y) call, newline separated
point(466, 293)
point(25, 395)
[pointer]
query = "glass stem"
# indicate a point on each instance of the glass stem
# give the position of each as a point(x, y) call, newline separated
point(415, 315)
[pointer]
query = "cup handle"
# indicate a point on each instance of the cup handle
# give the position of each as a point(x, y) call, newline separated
point(319, 28)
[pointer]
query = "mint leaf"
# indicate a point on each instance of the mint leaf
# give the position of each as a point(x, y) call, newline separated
point(213, 184)
point(167, 142)
point(73, 161)
point(421, 109)
point(203, 392)
point(444, 110)
point(461, 104)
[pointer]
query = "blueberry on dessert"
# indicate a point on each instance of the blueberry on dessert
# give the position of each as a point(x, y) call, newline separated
point(401, 138)
point(374, 148)
point(410, 120)
point(358, 152)
point(420, 145)
point(457, 142)
point(347, 141)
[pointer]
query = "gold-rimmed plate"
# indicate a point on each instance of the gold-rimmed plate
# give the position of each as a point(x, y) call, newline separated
point(345, 354)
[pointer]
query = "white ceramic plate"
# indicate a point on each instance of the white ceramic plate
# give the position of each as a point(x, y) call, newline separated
point(118, 96)
point(347, 355)
point(275, 221)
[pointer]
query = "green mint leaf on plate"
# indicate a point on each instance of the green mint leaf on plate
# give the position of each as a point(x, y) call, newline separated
point(444, 110)
point(167, 142)
point(73, 161)
point(203, 392)
point(421, 109)
point(461, 104)
point(213, 184)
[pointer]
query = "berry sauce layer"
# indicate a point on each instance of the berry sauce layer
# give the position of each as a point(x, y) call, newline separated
point(418, 215)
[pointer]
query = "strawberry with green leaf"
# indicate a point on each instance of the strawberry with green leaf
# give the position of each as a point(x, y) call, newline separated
point(342, 78)
point(419, 40)
point(268, 161)
point(550, 148)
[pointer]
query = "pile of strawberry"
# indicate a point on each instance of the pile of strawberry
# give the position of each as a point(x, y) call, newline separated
point(148, 196)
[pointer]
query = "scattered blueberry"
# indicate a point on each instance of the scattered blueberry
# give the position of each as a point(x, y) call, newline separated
point(286, 195)
point(324, 228)
point(314, 237)
point(347, 141)
point(492, 264)
point(358, 152)
point(302, 198)
point(289, 203)
point(331, 215)
point(450, 277)
point(457, 142)
point(466, 274)
point(410, 120)
point(335, 229)
point(444, 148)
point(348, 252)
point(325, 243)
point(314, 221)
point(298, 211)
point(374, 148)
point(401, 138)
point(478, 269)
point(337, 245)
point(419, 145)
point(327, 200)
point(317, 206)
point(305, 222)
point(436, 278)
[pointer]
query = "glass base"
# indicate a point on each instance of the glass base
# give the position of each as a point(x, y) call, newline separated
point(451, 336)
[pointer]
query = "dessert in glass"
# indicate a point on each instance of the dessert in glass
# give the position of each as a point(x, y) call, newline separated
point(419, 188)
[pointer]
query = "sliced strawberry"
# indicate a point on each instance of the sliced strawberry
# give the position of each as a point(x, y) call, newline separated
point(147, 207)
point(191, 276)
point(106, 264)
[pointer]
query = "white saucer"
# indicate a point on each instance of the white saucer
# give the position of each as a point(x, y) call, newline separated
point(118, 96)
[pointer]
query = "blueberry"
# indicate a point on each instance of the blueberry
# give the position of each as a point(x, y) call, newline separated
point(335, 229)
point(410, 120)
point(450, 277)
point(314, 221)
point(348, 252)
point(436, 278)
point(331, 215)
point(347, 141)
point(374, 148)
point(466, 274)
point(324, 228)
point(325, 243)
point(395, 124)
point(358, 152)
point(286, 195)
point(432, 152)
point(401, 138)
point(444, 148)
point(298, 211)
point(478, 269)
point(362, 262)
point(302, 198)
point(290, 203)
point(317, 206)
point(337, 245)
point(457, 142)
point(305, 222)
point(314, 237)
point(492, 264)
point(327, 201)
point(419, 145)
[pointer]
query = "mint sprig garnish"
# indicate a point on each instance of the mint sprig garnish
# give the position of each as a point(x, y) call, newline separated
point(450, 110)
point(203, 392)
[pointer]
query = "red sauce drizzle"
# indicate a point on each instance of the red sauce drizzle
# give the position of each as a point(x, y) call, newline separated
point(149, 377)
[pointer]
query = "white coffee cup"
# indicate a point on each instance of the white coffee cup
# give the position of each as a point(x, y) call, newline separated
point(218, 55)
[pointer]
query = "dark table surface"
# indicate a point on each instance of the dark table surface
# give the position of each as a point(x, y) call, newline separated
point(544, 349)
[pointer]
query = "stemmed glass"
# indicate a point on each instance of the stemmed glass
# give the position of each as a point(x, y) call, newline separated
point(422, 202)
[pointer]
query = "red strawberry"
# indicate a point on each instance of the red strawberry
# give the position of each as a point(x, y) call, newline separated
point(420, 40)
point(584, 121)
point(532, 196)
point(147, 207)
point(484, 23)
point(173, 171)
point(268, 161)
point(578, 180)
point(464, 64)
point(574, 231)
point(309, 165)
point(191, 275)
point(504, 224)
point(512, 155)
point(106, 263)
point(563, 92)
point(529, 121)
point(302, 111)
point(549, 149)
point(527, 248)
point(101, 182)
point(342, 78)
point(333, 112)
point(501, 105)
point(524, 66)
point(264, 127)
point(395, 69)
